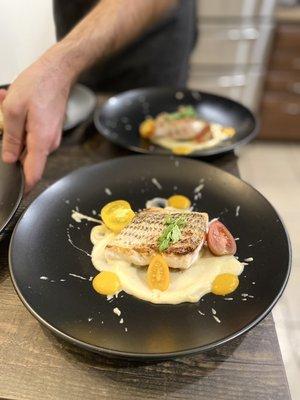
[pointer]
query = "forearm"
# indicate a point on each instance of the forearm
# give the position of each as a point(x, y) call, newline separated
point(35, 104)
point(111, 25)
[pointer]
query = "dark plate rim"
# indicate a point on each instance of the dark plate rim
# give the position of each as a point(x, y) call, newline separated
point(19, 199)
point(2, 228)
point(106, 132)
point(148, 356)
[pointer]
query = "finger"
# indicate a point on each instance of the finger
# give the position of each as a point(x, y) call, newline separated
point(34, 163)
point(38, 147)
point(23, 156)
point(56, 142)
point(14, 117)
point(43, 133)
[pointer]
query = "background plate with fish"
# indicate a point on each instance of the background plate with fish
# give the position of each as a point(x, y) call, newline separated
point(120, 117)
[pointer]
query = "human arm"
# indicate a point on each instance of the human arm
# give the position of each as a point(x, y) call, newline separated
point(34, 106)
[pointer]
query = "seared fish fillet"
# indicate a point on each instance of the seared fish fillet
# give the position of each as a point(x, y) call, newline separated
point(137, 243)
point(183, 129)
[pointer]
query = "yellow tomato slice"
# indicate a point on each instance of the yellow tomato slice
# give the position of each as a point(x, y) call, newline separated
point(229, 132)
point(179, 201)
point(225, 284)
point(182, 150)
point(106, 283)
point(158, 274)
point(116, 215)
point(147, 128)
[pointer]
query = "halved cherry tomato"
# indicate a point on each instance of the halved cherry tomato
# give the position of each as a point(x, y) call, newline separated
point(179, 201)
point(225, 284)
point(182, 150)
point(220, 240)
point(204, 135)
point(147, 128)
point(158, 274)
point(229, 132)
point(106, 283)
point(116, 215)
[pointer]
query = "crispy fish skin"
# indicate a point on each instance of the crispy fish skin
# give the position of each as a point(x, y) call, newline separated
point(138, 242)
point(183, 129)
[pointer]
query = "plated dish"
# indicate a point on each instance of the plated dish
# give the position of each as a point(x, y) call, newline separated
point(171, 121)
point(183, 132)
point(56, 277)
point(164, 255)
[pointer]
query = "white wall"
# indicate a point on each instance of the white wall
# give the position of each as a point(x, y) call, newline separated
point(26, 31)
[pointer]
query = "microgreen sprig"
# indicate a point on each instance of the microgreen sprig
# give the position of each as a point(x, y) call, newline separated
point(171, 233)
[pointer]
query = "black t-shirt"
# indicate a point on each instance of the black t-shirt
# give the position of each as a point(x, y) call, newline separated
point(158, 58)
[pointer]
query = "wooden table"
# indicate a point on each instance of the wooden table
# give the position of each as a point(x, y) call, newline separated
point(34, 364)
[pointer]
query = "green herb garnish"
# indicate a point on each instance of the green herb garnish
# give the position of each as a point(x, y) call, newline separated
point(183, 112)
point(171, 233)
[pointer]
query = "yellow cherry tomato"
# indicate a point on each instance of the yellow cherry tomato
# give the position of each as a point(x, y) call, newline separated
point(179, 201)
point(229, 132)
point(116, 215)
point(182, 150)
point(225, 284)
point(147, 128)
point(106, 283)
point(158, 274)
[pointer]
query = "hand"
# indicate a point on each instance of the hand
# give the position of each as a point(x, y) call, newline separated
point(33, 111)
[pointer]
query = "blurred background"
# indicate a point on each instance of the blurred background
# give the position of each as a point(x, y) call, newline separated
point(248, 50)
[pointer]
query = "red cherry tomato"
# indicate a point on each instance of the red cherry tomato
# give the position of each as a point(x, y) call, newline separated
point(220, 240)
point(204, 135)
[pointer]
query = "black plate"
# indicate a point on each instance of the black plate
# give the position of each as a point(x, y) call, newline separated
point(11, 191)
point(40, 247)
point(119, 119)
